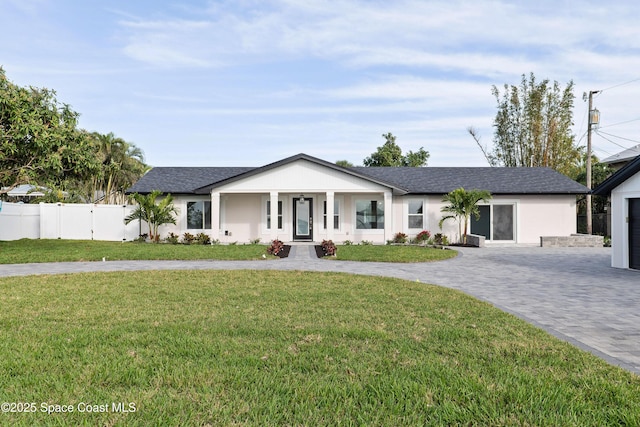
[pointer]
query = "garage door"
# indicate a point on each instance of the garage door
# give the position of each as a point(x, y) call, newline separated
point(634, 233)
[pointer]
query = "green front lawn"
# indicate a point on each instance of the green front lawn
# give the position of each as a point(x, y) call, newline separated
point(392, 253)
point(45, 250)
point(51, 250)
point(288, 348)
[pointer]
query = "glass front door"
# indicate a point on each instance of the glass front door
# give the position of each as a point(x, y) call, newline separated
point(302, 219)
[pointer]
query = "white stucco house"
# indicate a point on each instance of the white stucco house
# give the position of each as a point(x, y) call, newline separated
point(623, 188)
point(303, 198)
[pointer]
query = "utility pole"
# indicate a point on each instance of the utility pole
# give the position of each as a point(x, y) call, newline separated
point(593, 119)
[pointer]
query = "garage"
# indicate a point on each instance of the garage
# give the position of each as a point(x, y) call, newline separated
point(634, 233)
point(623, 190)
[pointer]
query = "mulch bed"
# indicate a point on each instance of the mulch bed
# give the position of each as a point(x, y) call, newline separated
point(319, 251)
point(284, 252)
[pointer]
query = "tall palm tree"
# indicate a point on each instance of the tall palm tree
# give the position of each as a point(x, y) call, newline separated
point(153, 214)
point(463, 204)
point(122, 164)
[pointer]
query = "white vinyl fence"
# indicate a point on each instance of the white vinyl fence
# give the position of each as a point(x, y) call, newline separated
point(67, 221)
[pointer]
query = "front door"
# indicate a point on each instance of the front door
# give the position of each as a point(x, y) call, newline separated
point(634, 234)
point(302, 219)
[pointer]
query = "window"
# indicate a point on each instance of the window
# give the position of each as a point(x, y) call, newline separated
point(369, 214)
point(496, 222)
point(199, 215)
point(269, 215)
point(502, 221)
point(416, 217)
point(336, 214)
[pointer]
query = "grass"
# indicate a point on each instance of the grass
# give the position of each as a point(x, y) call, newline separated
point(51, 250)
point(289, 348)
point(392, 253)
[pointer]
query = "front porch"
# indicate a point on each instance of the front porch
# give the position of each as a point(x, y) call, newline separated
point(300, 216)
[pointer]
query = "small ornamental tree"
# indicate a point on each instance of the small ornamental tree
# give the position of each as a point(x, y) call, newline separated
point(153, 214)
point(463, 204)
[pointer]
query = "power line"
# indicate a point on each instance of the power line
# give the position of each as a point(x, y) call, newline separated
point(620, 123)
point(613, 142)
point(597, 148)
point(620, 137)
point(621, 84)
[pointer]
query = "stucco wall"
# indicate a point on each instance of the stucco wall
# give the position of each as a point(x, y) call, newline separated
point(243, 218)
point(546, 216)
point(619, 214)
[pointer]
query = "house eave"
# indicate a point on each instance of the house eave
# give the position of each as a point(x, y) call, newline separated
point(626, 172)
point(209, 188)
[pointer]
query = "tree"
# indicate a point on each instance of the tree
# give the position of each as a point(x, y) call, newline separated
point(39, 141)
point(153, 214)
point(121, 165)
point(344, 163)
point(463, 204)
point(390, 154)
point(533, 126)
point(599, 173)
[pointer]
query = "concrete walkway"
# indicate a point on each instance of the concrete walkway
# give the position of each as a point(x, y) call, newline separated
point(573, 293)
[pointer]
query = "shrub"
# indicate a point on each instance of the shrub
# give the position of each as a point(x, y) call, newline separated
point(347, 243)
point(141, 238)
point(255, 241)
point(275, 247)
point(215, 242)
point(400, 238)
point(422, 236)
point(329, 248)
point(440, 239)
point(203, 239)
point(188, 238)
point(173, 239)
point(366, 242)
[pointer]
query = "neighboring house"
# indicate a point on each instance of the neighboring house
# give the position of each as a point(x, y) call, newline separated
point(623, 188)
point(620, 159)
point(23, 193)
point(302, 198)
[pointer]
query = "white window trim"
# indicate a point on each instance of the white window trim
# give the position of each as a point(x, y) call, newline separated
point(186, 216)
point(368, 231)
point(263, 215)
point(405, 215)
point(340, 213)
point(516, 219)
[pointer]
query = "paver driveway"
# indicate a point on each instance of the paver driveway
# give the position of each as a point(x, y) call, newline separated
point(571, 292)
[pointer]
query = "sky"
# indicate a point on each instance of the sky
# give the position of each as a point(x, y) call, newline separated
point(250, 82)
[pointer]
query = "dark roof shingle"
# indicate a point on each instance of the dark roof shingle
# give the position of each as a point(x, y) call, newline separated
point(442, 180)
point(178, 180)
point(427, 180)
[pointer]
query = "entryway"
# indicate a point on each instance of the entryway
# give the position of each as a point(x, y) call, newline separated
point(302, 219)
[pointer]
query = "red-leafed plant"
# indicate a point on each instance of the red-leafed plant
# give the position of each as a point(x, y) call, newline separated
point(400, 238)
point(329, 248)
point(276, 247)
point(423, 236)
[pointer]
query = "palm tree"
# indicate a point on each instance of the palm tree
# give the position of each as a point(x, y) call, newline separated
point(122, 164)
point(153, 214)
point(463, 204)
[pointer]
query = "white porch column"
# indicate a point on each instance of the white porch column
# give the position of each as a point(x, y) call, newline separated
point(330, 213)
point(215, 215)
point(388, 216)
point(274, 215)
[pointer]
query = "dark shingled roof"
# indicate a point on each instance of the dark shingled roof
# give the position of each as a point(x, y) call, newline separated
point(177, 180)
point(441, 180)
point(427, 180)
point(627, 171)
